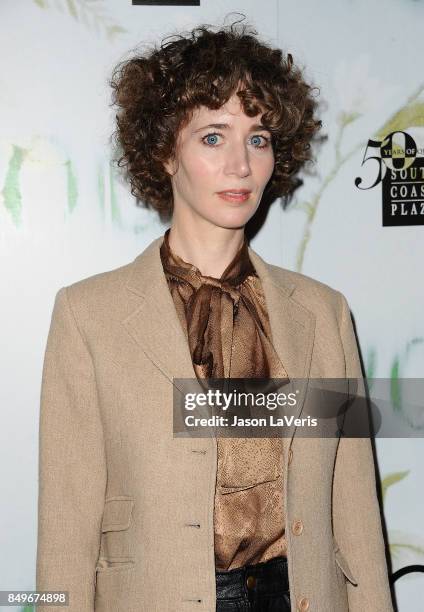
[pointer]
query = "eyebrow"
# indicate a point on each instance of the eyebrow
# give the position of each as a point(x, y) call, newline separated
point(223, 126)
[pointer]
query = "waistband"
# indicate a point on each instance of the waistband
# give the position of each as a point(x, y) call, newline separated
point(267, 578)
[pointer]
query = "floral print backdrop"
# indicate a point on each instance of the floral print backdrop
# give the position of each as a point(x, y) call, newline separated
point(66, 212)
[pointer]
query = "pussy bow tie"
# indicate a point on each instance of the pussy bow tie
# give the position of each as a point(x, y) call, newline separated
point(225, 333)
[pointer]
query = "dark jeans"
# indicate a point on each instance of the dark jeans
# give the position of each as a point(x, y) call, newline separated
point(263, 587)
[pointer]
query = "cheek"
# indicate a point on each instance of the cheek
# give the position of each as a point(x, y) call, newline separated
point(262, 165)
point(200, 168)
point(267, 168)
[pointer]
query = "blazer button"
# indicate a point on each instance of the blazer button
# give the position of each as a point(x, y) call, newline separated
point(290, 455)
point(297, 527)
point(303, 604)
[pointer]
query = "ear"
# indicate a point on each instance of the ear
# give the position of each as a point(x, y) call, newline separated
point(169, 167)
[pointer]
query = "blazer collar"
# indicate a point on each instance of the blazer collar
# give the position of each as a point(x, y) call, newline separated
point(155, 326)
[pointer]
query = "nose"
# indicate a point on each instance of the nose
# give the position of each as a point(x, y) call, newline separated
point(237, 161)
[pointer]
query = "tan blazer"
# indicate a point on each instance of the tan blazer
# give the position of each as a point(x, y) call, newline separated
point(126, 510)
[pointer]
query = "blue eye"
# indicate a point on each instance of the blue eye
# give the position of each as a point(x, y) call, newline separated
point(255, 137)
point(267, 141)
point(211, 136)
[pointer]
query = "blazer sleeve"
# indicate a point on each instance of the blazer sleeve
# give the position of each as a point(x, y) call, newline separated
point(72, 467)
point(356, 512)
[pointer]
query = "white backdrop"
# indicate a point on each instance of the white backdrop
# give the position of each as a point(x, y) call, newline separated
point(65, 213)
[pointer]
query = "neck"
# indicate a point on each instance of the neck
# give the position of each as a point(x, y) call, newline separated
point(209, 248)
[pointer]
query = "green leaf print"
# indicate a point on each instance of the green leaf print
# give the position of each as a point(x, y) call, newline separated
point(71, 184)
point(411, 115)
point(392, 479)
point(11, 190)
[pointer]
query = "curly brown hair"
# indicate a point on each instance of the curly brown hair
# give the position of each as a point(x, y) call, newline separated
point(157, 91)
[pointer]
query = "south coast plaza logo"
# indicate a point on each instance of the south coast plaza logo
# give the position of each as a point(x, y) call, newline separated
point(400, 170)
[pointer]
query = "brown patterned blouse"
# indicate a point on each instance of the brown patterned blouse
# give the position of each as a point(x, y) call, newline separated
point(227, 327)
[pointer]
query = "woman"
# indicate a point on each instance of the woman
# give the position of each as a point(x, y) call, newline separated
point(130, 517)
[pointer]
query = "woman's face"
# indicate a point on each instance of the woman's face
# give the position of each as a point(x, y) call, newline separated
point(237, 154)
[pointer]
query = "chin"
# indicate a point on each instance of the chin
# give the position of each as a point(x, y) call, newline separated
point(232, 216)
point(235, 220)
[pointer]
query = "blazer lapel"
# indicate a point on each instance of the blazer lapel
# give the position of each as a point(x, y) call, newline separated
point(292, 329)
point(292, 325)
point(155, 326)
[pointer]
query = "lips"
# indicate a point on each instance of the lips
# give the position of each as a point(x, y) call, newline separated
point(236, 195)
point(235, 191)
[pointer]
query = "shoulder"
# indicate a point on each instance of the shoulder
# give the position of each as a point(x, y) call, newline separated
point(309, 292)
point(103, 284)
point(95, 298)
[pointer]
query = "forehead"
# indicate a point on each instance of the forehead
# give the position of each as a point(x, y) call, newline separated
point(230, 112)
